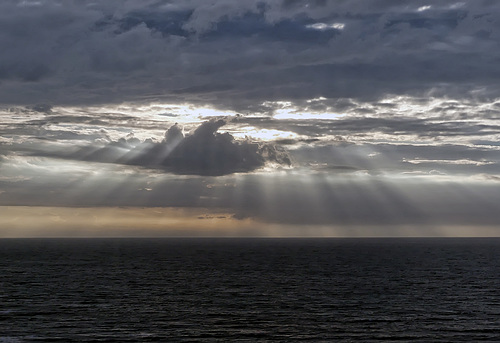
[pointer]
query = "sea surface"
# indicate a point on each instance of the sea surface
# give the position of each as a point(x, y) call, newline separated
point(249, 290)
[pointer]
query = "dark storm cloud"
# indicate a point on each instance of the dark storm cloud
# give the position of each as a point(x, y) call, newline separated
point(207, 152)
point(204, 152)
point(239, 54)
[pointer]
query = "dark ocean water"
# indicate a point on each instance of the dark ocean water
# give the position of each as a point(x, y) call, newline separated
point(249, 290)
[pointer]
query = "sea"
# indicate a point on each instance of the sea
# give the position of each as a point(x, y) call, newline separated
point(250, 290)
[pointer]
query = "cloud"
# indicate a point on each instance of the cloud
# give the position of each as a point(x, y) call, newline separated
point(355, 90)
point(44, 108)
point(207, 152)
point(429, 128)
point(237, 55)
point(386, 141)
point(203, 152)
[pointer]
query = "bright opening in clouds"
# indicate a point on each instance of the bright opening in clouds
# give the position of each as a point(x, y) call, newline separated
point(424, 8)
point(272, 118)
point(323, 26)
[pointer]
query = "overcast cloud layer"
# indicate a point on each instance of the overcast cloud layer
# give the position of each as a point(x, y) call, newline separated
point(237, 54)
point(325, 113)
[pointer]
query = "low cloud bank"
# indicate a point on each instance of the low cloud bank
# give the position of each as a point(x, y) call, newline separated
point(203, 152)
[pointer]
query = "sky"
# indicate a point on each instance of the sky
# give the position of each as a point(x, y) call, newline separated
point(277, 118)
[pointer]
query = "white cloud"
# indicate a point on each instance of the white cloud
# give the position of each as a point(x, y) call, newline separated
point(323, 26)
point(25, 3)
point(424, 8)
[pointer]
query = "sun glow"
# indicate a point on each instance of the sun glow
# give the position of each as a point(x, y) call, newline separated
point(286, 113)
point(263, 134)
point(324, 26)
point(424, 8)
point(181, 113)
point(40, 221)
